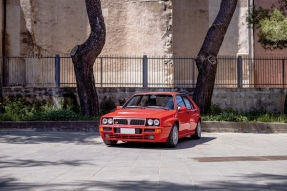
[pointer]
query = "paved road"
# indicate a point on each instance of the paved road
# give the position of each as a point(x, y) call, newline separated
point(80, 161)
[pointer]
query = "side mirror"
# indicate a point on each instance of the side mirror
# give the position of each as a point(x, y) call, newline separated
point(182, 108)
point(119, 107)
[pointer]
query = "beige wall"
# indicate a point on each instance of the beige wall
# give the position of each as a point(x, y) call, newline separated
point(134, 27)
point(192, 19)
point(190, 24)
point(237, 39)
point(55, 27)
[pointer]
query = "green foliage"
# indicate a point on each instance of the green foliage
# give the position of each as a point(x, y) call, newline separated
point(256, 14)
point(271, 24)
point(53, 115)
point(18, 109)
point(273, 31)
point(228, 114)
point(107, 105)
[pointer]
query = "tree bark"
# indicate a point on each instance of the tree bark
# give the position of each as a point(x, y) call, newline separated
point(84, 56)
point(206, 59)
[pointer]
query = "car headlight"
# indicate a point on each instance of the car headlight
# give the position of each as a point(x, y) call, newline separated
point(110, 121)
point(156, 122)
point(150, 122)
point(104, 121)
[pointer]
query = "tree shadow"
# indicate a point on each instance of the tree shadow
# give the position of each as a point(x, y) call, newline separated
point(40, 163)
point(246, 182)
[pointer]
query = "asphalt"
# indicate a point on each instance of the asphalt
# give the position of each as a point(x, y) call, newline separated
point(80, 161)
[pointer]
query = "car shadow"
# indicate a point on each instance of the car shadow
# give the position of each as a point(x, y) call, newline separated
point(183, 143)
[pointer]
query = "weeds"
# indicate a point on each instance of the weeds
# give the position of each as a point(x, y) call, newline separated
point(228, 114)
point(18, 109)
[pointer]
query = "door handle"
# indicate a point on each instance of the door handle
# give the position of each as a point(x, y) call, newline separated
point(187, 112)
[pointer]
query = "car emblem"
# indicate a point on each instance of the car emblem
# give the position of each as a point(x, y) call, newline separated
point(129, 120)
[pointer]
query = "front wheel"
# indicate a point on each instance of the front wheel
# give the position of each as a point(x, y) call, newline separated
point(107, 142)
point(173, 136)
point(197, 134)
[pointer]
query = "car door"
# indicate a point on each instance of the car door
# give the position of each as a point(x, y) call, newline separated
point(183, 117)
point(191, 112)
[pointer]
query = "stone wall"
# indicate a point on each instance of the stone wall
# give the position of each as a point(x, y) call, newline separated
point(238, 99)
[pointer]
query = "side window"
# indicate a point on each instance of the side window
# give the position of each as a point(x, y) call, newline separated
point(187, 102)
point(179, 101)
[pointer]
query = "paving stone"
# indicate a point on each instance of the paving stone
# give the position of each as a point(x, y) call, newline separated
point(80, 161)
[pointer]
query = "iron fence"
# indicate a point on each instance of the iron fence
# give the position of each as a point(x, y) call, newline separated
point(137, 71)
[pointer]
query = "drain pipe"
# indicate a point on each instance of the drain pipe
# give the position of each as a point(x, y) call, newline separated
point(3, 55)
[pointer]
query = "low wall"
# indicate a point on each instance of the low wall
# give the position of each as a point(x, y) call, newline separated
point(239, 99)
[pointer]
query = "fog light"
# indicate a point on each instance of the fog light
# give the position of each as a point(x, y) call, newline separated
point(151, 137)
point(107, 136)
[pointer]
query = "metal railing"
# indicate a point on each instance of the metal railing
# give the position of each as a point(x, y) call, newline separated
point(137, 71)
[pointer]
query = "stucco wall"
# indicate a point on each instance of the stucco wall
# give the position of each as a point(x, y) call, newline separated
point(134, 27)
point(190, 24)
point(192, 19)
point(237, 37)
point(239, 99)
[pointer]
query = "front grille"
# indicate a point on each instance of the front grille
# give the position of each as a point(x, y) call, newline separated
point(137, 122)
point(121, 121)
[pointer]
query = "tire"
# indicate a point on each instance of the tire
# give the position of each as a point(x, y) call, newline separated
point(172, 139)
point(107, 142)
point(197, 134)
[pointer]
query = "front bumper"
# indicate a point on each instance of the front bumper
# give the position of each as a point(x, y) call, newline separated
point(141, 133)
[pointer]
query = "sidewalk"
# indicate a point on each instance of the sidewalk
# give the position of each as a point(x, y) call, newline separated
point(80, 161)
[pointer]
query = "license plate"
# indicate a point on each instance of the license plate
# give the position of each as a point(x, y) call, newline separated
point(128, 131)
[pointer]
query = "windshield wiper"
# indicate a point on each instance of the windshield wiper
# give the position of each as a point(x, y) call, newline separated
point(158, 107)
point(135, 107)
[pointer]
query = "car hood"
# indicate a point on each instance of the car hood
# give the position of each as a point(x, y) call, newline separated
point(140, 113)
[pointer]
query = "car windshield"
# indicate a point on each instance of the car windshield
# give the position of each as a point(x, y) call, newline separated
point(158, 101)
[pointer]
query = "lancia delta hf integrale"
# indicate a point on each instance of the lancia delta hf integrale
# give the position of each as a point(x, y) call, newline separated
point(152, 117)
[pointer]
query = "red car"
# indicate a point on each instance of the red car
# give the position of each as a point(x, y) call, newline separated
point(152, 117)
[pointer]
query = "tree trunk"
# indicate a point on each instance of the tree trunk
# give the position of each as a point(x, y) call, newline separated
point(84, 56)
point(206, 59)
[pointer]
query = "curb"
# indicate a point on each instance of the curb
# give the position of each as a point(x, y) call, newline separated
point(92, 126)
point(66, 126)
point(243, 127)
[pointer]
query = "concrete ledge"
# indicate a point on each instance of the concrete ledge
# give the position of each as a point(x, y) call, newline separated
point(244, 127)
point(92, 126)
point(68, 126)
